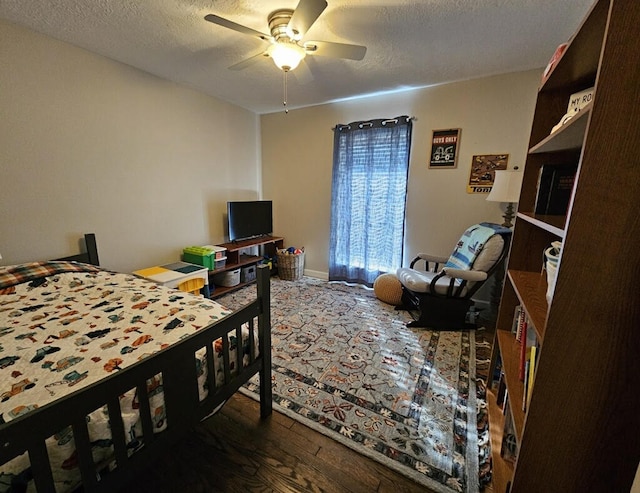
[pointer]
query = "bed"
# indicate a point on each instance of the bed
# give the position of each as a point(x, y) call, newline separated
point(100, 372)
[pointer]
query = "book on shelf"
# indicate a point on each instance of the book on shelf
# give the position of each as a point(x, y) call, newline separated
point(520, 323)
point(555, 185)
point(516, 319)
point(497, 372)
point(523, 356)
point(526, 382)
point(528, 340)
point(502, 389)
point(505, 403)
point(530, 370)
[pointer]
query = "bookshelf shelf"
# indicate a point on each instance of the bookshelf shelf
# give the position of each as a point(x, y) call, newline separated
point(553, 224)
point(531, 289)
point(502, 470)
point(587, 343)
point(567, 137)
point(579, 64)
point(510, 352)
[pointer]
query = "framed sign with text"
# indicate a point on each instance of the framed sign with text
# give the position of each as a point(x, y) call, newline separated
point(444, 148)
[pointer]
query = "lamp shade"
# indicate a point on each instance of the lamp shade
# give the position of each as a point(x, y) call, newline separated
point(286, 56)
point(506, 186)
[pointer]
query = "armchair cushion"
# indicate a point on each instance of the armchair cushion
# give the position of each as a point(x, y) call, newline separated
point(489, 254)
point(420, 281)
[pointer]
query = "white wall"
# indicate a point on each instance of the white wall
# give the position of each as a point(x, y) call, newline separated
point(494, 114)
point(91, 145)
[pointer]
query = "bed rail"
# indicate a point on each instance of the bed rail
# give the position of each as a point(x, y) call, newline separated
point(184, 409)
point(90, 253)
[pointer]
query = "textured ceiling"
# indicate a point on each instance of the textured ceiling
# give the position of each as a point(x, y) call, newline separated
point(410, 43)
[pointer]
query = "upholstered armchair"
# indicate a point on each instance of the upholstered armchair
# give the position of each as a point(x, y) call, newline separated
point(441, 289)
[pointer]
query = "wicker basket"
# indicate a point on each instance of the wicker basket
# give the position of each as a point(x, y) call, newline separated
point(290, 267)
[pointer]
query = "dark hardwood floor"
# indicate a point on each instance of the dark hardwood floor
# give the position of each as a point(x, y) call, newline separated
point(236, 451)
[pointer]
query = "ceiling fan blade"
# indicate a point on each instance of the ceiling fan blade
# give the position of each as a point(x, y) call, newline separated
point(236, 27)
point(302, 73)
point(304, 16)
point(335, 50)
point(247, 62)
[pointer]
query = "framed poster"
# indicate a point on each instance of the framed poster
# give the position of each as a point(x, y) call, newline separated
point(444, 148)
point(483, 171)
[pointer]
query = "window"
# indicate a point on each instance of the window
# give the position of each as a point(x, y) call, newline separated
point(368, 197)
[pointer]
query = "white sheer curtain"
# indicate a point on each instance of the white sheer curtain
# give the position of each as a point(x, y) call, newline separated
point(368, 197)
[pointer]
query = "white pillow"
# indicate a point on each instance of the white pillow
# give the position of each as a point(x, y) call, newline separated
point(489, 254)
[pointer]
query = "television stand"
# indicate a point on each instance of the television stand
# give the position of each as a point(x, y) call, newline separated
point(237, 260)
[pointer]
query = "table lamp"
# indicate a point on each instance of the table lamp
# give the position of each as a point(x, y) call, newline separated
point(506, 188)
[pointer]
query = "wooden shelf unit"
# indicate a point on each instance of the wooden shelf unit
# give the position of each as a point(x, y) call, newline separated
point(236, 259)
point(579, 432)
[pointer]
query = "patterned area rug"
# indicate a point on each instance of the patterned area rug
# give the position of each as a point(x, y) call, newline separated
point(345, 364)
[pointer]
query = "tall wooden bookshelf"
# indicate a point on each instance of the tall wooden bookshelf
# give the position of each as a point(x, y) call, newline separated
point(580, 432)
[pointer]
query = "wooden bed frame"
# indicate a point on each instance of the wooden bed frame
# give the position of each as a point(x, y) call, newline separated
point(182, 405)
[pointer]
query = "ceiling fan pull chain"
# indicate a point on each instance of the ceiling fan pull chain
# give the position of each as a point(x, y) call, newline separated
point(286, 110)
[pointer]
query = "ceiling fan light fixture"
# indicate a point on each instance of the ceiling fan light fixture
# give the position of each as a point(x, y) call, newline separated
point(286, 56)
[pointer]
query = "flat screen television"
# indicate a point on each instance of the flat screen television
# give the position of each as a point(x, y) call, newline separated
point(249, 219)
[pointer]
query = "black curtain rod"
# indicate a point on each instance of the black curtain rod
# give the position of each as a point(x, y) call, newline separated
point(379, 122)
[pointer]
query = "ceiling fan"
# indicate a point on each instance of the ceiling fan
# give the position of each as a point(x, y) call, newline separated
point(287, 28)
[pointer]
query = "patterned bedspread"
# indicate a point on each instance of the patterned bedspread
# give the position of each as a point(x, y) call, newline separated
point(65, 325)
